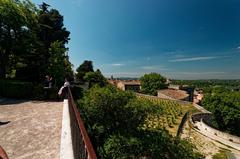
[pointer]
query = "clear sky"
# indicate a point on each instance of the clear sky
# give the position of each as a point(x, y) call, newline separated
point(181, 39)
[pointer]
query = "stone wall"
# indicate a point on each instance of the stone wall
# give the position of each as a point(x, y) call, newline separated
point(197, 120)
point(205, 128)
point(200, 108)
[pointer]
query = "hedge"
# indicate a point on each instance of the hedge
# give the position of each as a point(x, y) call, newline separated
point(29, 90)
point(24, 90)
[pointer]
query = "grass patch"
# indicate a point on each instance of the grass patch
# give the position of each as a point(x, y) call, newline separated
point(220, 155)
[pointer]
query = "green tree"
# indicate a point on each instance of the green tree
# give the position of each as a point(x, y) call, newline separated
point(27, 34)
point(226, 110)
point(107, 112)
point(58, 65)
point(95, 78)
point(50, 29)
point(152, 82)
point(16, 21)
point(68, 68)
point(85, 67)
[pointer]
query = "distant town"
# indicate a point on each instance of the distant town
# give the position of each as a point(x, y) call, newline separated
point(179, 92)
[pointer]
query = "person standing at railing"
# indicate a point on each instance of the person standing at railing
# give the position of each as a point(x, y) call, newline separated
point(48, 84)
point(51, 82)
point(63, 90)
point(46, 81)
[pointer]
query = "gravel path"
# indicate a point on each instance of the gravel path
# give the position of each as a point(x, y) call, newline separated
point(34, 130)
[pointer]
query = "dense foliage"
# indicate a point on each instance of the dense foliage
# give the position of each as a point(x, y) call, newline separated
point(95, 78)
point(86, 74)
point(152, 82)
point(115, 121)
point(226, 110)
point(32, 42)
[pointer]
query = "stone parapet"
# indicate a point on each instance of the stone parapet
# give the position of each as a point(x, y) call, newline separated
point(199, 124)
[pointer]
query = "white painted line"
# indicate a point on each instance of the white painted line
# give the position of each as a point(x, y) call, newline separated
point(66, 149)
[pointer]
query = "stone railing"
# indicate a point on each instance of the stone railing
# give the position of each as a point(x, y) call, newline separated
point(82, 146)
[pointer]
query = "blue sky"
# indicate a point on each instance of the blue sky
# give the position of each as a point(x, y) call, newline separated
point(181, 39)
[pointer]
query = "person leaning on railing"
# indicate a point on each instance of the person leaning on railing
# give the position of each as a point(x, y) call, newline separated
point(63, 90)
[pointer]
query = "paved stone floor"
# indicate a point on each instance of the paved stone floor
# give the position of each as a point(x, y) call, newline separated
point(34, 130)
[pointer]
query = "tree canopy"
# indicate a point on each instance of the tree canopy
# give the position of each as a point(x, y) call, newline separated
point(152, 82)
point(17, 18)
point(32, 41)
point(95, 78)
point(226, 110)
point(84, 68)
point(86, 73)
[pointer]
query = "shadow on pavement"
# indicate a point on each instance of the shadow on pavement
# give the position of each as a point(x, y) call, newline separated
point(8, 101)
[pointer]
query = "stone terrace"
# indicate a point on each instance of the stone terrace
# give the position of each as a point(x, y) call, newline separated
point(34, 130)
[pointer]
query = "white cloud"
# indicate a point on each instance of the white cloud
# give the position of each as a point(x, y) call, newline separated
point(201, 58)
point(117, 64)
point(238, 49)
point(77, 3)
point(154, 67)
point(124, 74)
point(201, 73)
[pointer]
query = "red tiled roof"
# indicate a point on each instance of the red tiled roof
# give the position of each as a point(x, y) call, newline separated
point(176, 94)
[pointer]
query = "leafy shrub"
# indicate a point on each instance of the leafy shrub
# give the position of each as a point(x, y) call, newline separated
point(122, 147)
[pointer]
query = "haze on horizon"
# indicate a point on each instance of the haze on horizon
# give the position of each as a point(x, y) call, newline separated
point(197, 39)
